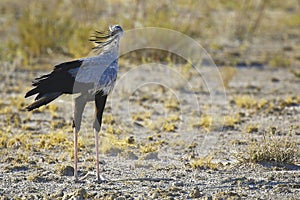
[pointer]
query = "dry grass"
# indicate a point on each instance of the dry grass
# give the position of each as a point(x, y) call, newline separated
point(170, 124)
point(252, 128)
point(289, 101)
point(227, 74)
point(34, 28)
point(42, 31)
point(280, 60)
point(249, 102)
point(148, 148)
point(245, 101)
point(172, 104)
point(169, 127)
point(109, 143)
point(205, 122)
point(273, 148)
point(204, 163)
point(231, 120)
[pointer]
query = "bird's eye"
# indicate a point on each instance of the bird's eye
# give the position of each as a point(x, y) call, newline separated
point(118, 28)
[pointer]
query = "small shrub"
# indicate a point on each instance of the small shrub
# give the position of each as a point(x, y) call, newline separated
point(149, 148)
point(230, 121)
point(227, 74)
point(206, 122)
point(245, 101)
point(251, 128)
point(272, 148)
point(169, 127)
point(280, 60)
point(204, 163)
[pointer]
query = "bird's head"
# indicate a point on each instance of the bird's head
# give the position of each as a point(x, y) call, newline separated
point(116, 30)
point(105, 38)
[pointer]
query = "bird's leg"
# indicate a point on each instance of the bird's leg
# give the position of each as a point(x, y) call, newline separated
point(97, 154)
point(100, 104)
point(80, 103)
point(75, 153)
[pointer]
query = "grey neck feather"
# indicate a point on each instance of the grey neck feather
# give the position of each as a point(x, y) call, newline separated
point(111, 50)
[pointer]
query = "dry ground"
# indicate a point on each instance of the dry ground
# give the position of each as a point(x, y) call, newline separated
point(157, 149)
point(232, 138)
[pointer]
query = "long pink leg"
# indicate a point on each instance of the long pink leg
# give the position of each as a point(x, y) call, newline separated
point(75, 154)
point(80, 103)
point(97, 154)
point(100, 104)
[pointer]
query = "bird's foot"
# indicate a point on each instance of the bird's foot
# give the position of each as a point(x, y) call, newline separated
point(87, 176)
point(76, 180)
point(101, 179)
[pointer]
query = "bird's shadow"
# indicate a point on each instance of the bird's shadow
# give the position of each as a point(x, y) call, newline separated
point(283, 166)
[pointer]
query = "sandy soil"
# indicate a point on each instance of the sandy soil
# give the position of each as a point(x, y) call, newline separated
point(153, 136)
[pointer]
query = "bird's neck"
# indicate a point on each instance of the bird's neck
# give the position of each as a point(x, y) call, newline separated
point(110, 52)
point(112, 48)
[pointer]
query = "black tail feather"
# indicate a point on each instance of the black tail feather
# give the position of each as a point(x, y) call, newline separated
point(38, 80)
point(50, 86)
point(43, 100)
point(31, 92)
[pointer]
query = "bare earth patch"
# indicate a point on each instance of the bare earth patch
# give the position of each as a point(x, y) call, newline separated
point(158, 152)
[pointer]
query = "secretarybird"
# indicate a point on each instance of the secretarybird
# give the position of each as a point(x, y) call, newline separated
point(93, 78)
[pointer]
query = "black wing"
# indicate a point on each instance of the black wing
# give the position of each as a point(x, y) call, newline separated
point(52, 85)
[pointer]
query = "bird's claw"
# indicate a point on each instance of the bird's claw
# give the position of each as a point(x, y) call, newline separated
point(101, 179)
point(76, 180)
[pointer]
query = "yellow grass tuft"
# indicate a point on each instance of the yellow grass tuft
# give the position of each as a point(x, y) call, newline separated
point(172, 103)
point(227, 74)
point(252, 128)
point(59, 139)
point(204, 163)
point(108, 119)
point(169, 127)
point(245, 101)
point(148, 148)
point(3, 141)
point(205, 122)
point(274, 148)
point(230, 121)
point(141, 116)
point(280, 60)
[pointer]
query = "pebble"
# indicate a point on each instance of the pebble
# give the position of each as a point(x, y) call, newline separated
point(151, 156)
point(178, 184)
point(155, 195)
point(195, 193)
point(57, 194)
point(131, 140)
point(67, 171)
point(80, 194)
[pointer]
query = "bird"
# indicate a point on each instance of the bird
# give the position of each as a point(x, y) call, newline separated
point(91, 78)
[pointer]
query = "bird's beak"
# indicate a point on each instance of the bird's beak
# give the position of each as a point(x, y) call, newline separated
point(110, 28)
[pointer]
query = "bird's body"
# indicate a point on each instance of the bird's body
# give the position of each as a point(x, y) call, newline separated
point(93, 78)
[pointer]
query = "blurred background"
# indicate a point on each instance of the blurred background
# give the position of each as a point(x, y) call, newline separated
point(254, 32)
point(256, 46)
